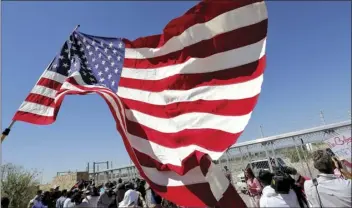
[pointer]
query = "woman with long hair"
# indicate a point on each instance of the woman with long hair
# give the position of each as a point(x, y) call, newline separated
point(254, 187)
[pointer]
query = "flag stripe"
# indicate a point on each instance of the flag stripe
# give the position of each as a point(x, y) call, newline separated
point(173, 156)
point(45, 91)
point(185, 137)
point(32, 117)
point(217, 107)
point(49, 83)
point(40, 99)
point(39, 109)
point(208, 29)
point(217, 62)
point(224, 77)
point(217, 44)
point(238, 91)
point(54, 76)
point(188, 121)
point(188, 164)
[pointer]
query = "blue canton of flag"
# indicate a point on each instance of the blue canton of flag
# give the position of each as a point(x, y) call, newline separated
point(98, 60)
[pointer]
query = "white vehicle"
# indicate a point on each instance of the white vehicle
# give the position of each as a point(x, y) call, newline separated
point(264, 164)
point(256, 166)
point(241, 183)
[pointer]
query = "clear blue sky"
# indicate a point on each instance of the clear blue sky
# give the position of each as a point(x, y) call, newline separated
point(308, 70)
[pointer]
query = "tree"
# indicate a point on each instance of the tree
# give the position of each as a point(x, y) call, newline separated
point(19, 184)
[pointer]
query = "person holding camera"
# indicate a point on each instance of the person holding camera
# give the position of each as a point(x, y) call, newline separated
point(296, 182)
point(327, 190)
point(272, 196)
point(340, 170)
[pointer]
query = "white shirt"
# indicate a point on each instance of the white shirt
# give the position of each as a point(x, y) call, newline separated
point(83, 204)
point(91, 200)
point(71, 205)
point(131, 198)
point(67, 203)
point(272, 199)
point(104, 200)
point(333, 191)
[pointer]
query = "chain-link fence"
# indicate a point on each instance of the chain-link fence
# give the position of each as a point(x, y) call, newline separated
point(125, 173)
point(291, 149)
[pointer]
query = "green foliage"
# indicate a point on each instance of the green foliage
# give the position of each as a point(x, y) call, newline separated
point(19, 184)
point(294, 157)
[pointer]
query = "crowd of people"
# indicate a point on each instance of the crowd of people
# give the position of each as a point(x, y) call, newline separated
point(114, 194)
point(285, 187)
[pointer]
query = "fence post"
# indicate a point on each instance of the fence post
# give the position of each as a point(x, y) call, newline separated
point(274, 155)
point(227, 159)
point(241, 155)
point(250, 158)
point(129, 173)
point(305, 158)
point(299, 155)
point(267, 155)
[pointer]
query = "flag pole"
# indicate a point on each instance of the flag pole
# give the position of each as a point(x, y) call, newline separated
point(6, 132)
point(76, 28)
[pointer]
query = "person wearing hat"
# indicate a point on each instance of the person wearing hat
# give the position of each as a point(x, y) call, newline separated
point(327, 190)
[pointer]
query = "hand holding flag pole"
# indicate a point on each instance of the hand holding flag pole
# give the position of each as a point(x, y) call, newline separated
point(8, 129)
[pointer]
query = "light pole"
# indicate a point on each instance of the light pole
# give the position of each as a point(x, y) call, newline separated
point(261, 131)
point(322, 118)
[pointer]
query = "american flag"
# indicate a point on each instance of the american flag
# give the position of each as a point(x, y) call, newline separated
point(180, 99)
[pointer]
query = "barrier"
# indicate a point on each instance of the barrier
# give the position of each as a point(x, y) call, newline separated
point(292, 149)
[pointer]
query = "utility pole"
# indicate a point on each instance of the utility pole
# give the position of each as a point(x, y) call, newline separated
point(98, 163)
point(322, 118)
point(261, 131)
point(349, 114)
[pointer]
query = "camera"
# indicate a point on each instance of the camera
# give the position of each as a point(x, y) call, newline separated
point(281, 182)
